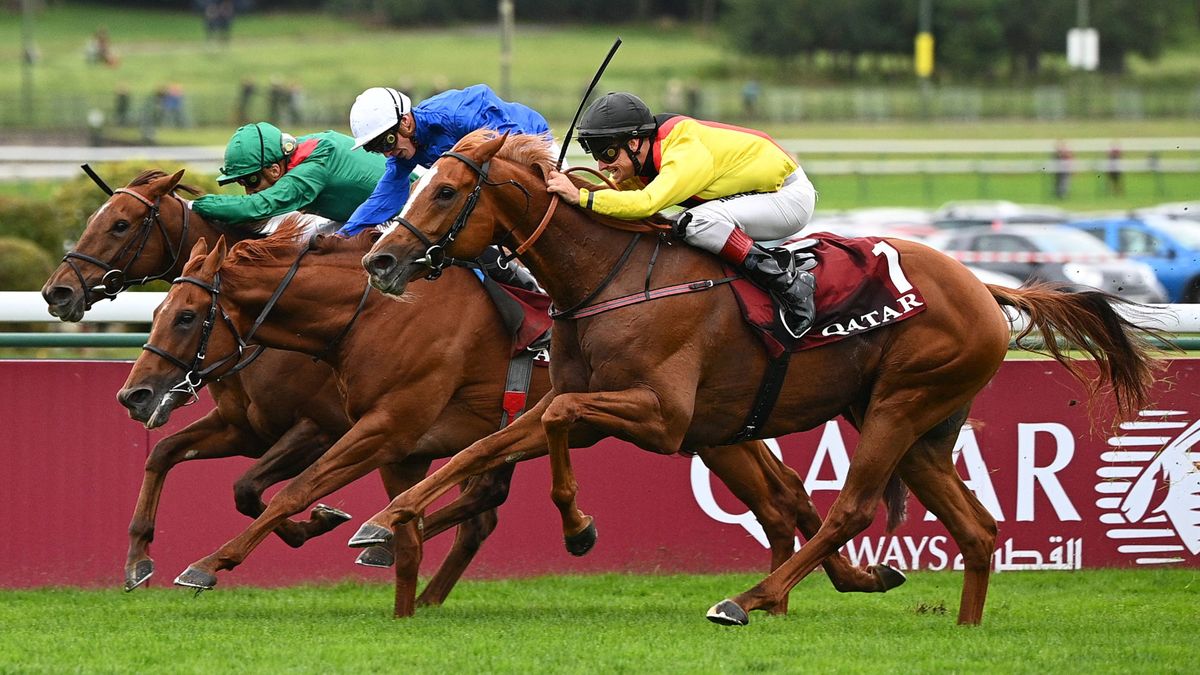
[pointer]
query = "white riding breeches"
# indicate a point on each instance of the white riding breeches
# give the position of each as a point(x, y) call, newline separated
point(763, 216)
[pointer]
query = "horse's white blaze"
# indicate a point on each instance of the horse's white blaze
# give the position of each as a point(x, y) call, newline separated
point(416, 189)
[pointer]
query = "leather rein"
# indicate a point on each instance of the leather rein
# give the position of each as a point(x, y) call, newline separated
point(195, 374)
point(114, 281)
point(435, 252)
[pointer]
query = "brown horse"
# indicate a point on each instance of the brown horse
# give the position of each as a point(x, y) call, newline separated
point(682, 372)
point(143, 233)
point(411, 394)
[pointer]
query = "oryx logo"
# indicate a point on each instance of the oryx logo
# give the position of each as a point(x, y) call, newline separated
point(1150, 489)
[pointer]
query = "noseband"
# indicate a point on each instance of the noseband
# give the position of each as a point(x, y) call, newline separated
point(114, 282)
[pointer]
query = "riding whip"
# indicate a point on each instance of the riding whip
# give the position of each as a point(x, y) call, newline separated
point(562, 154)
point(98, 180)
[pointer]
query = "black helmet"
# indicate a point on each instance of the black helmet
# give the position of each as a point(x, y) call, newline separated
point(616, 114)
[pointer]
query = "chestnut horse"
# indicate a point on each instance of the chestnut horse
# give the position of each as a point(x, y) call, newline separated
point(681, 372)
point(411, 390)
point(284, 409)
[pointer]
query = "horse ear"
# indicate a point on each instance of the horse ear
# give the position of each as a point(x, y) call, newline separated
point(213, 262)
point(162, 186)
point(490, 148)
point(200, 248)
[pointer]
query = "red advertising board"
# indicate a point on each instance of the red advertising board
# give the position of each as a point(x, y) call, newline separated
point(1066, 492)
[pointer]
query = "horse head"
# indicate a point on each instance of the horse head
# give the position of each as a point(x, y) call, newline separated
point(190, 327)
point(119, 248)
point(449, 215)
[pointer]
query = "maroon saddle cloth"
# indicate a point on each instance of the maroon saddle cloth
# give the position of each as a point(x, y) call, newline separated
point(526, 313)
point(861, 286)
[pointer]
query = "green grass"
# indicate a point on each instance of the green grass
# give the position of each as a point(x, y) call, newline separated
point(1105, 621)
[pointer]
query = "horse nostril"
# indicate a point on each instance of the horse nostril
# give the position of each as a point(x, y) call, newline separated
point(58, 295)
point(381, 264)
point(135, 397)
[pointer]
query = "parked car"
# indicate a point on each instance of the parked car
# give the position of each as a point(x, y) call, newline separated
point(1054, 253)
point(972, 213)
point(1173, 210)
point(1170, 247)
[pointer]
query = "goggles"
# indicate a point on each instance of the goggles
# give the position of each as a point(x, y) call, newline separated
point(250, 181)
point(603, 149)
point(381, 143)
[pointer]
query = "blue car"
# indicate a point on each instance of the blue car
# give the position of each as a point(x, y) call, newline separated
point(1170, 247)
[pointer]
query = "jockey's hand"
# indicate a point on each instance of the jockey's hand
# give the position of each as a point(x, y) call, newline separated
point(559, 184)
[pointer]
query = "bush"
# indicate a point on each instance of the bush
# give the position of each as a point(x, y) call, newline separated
point(33, 221)
point(24, 266)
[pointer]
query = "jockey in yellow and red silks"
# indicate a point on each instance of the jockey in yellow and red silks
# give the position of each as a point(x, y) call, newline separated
point(737, 186)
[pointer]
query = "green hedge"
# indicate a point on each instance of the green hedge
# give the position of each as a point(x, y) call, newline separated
point(24, 266)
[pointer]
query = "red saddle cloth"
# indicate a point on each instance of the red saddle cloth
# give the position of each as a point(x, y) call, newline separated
point(526, 314)
point(860, 286)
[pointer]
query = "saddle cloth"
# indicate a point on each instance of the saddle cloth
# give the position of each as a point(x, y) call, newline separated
point(526, 315)
point(861, 286)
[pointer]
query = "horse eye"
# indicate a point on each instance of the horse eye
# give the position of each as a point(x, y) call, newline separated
point(445, 192)
point(121, 226)
point(185, 319)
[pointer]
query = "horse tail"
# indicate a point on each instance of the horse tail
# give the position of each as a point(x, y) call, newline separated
point(895, 497)
point(1088, 321)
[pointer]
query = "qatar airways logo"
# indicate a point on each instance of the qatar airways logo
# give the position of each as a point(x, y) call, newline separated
point(1148, 495)
point(1149, 489)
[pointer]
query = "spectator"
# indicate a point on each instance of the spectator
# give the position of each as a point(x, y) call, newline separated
point(245, 95)
point(1062, 170)
point(171, 105)
point(121, 106)
point(750, 93)
point(99, 49)
point(1114, 170)
point(218, 20)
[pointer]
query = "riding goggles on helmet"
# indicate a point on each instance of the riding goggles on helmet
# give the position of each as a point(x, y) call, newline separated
point(249, 181)
point(381, 143)
point(603, 149)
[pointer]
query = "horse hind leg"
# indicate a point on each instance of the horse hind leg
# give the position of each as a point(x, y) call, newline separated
point(929, 471)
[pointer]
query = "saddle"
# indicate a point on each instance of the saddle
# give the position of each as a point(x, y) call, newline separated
point(861, 286)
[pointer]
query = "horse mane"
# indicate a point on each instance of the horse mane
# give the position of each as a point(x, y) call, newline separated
point(149, 175)
point(292, 234)
point(536, 152)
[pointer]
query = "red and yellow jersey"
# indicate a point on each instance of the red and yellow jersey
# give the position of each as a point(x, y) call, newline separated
point(698, 160)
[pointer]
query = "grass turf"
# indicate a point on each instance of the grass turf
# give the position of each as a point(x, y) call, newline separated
point(1035, 622)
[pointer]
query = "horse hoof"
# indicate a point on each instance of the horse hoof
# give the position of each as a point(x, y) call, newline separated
point(889, 577)
point(376, 556)
point(579, 544)
point(728, 613)
point(370, 534)
point(140, 574)
point(197, 579)
point(330, 515)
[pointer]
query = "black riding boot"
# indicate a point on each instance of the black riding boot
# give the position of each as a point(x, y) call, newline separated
point(774, 271)
point(513, 274)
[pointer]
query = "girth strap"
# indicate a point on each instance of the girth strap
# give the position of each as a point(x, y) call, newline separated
point(516, 386)
point(764, 400)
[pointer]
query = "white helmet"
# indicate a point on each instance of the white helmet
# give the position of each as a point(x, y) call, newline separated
point(375, 111)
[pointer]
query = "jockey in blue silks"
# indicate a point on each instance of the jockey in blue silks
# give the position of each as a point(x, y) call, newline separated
point(384, 121)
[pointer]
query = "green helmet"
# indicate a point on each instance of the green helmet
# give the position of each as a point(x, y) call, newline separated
point(253, 147)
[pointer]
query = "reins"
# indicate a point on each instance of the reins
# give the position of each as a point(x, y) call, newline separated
point(194, 375)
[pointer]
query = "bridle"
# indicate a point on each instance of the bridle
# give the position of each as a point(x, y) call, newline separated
point(195, 374)
point(435, 251)
point(114, 281)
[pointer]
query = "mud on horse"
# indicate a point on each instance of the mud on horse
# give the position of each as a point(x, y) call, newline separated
point(410, 393)
point(659, 374)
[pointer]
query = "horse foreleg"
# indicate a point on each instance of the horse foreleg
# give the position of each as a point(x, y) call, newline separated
point(631, 413)
point(354, 455)
point(294, 452)
point(406, 545)
point(521, 440)
point(206, 438)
